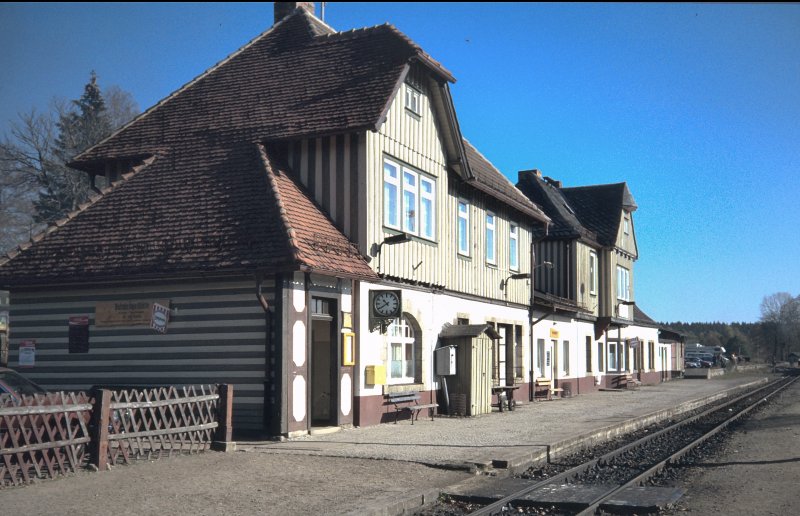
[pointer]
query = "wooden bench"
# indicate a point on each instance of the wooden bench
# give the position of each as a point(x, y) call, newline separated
point(409, 401)
point(543, 384)
point(628, 381)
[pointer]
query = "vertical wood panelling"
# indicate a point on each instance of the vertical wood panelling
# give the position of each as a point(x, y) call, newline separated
point(216, 334)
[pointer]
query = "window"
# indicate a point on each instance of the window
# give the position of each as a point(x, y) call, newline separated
point(588, 354)
point(592, 273)
point(463, 227)
point(540, 356)
point(391, 192)
point(413, 100)
point(513, 248)
point(612, 357)
point(623, 284)
point(490, 243)
point(625, 230)
point(427, 215)
point(565, 356)
point(402, 363)
point(651, 352)
point(600, 358)
point(414, 211)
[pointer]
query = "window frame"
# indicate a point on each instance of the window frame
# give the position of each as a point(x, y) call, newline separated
point(409, 223)
point(400, 333)
point(459, 217)
point(623, 284)
point(413, 100)
point(593, 276)
point(513, 247)
point(491, 228)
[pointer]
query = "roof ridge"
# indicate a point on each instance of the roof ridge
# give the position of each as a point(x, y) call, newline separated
point(93, 199)
point(290, 233)
point(593, 186)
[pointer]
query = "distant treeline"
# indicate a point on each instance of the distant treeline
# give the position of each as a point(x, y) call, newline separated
point(755, 340)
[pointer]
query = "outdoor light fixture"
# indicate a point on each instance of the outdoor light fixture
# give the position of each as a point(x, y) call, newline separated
point(521, 275)
point(399, 238)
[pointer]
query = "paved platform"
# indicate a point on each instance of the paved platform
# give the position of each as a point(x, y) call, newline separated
point(515, 439)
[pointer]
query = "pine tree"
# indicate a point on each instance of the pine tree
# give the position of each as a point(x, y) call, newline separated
point(86, 123)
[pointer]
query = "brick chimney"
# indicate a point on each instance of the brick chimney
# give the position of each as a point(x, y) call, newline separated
point(528, 175)
point(553, 182)
point(284, 9)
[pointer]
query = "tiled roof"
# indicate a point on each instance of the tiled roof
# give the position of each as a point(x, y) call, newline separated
point(315, 243)
point(599, 208)
point(642, 319)
point(455, 331)
point(297, 79)
point(492, 182)
point(209, 201)
point(565, 223)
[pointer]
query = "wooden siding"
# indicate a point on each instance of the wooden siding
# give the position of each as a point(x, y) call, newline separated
point(555, 280)
point(415, 141)
point(332, 170)
point(627, 243)
point(583, 278)
point(216, 334)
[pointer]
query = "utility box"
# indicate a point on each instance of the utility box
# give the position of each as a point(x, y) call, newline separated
point(375, 375)
point(445, 361)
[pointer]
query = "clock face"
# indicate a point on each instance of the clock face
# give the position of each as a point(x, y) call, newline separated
point(386, 304)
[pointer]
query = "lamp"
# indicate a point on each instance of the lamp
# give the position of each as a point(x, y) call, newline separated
point(399, 238)
point(520, 275)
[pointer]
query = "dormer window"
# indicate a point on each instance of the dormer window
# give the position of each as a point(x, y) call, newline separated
point(413, 100)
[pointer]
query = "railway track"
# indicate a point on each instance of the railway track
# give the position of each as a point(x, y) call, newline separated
point(617, 481)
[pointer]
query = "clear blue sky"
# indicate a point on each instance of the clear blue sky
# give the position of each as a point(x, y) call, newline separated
point(696, 106)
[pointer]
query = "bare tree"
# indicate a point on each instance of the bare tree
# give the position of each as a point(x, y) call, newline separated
point(780, 318)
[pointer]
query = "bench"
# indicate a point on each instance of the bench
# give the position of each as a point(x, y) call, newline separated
point(628, 381)
point(543, 384)
point(409, 401)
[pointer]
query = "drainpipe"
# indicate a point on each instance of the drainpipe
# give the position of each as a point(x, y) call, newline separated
point(268, 355)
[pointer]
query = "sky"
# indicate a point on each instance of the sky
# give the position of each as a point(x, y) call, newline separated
point(695, 106)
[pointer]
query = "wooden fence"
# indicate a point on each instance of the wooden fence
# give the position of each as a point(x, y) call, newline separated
point(49, 435)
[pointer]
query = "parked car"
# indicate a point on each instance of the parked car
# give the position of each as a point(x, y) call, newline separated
point(691, 363)
point(15, 385)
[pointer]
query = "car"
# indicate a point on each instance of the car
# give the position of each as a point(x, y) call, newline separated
point(690, 363)
point(15, 385)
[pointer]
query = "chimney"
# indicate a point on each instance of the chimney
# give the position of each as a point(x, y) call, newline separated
point(528, 175)
point(284, 9)
point(553, 182)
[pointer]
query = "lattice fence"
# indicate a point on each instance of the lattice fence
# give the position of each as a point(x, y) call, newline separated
point(43, 436)
point(149, 423)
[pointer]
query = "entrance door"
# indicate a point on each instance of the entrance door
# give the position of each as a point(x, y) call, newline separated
point(324, 363)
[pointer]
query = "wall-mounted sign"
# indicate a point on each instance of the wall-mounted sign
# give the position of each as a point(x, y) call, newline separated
point(634, 342)
point(160, 318)
point(79, 334)
point(347, 321)
point(3, 322)
point(125, 313)
point(27, 353)
point(554, 333)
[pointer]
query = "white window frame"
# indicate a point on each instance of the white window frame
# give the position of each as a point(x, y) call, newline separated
point(396, 199)
point(400, 334)
point(593, 273)
point(413, 100)
point(491, 243)
point(402, 187)
point(513, 247)
point(465, 217)
point(623, 283)
point(427, 220)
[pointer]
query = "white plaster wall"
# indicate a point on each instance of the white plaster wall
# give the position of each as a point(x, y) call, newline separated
point(432, 311)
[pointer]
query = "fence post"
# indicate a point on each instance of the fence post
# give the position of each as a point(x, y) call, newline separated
point(223, 439)
point(98, 446)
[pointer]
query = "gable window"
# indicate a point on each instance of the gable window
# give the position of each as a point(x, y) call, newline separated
point(490, 241)
point(409, 202)
point(623, 284)
point(463, 227)
point(413, 100)
point(626, 230)
point(592, 273)
point(513, 248)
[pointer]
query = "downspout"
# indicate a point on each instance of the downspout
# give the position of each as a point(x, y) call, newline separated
point(531, 322)
point(268, 354)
